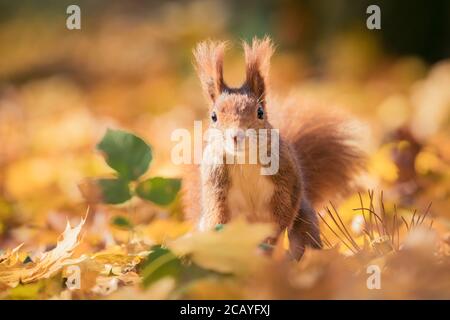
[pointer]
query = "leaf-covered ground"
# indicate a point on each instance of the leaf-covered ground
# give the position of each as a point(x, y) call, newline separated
point(78, 221)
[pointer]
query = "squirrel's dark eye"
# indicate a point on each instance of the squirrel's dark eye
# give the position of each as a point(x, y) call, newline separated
point(214, 117)
point(260, 113)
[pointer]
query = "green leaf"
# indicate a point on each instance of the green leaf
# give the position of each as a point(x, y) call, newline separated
point(192, 272)
point(160, 263)
point(218, 227)
point(126, 153)
point(266, 246)
point(159, 190)
point(27, 260)
point(122, 222)
point(114, 191)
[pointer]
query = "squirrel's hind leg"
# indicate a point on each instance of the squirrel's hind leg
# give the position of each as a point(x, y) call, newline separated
point(304, 231)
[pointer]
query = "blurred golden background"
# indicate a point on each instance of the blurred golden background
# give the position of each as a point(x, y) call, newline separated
point(130, 67)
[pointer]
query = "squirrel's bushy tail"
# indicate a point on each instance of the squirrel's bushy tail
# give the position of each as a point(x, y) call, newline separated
point(325, 141)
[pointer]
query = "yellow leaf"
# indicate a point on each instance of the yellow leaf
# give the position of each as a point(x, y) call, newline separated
point(25, 291)
point(10, 258)
point(164, 230)
point(118, 260)
point(159, 290)
point(13, 272)
point(232, 249)
point(213, 288)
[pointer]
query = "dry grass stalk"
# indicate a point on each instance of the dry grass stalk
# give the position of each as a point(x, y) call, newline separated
point(379, 228)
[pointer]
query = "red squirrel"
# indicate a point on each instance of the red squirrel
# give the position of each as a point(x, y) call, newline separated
point(317, 157)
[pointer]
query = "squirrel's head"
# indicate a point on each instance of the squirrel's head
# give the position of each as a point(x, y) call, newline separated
point(235, 109)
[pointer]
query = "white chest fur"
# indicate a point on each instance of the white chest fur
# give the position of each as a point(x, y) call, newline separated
point(250, 193)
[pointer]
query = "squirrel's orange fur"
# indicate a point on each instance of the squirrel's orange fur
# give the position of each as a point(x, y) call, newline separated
point(317, 160)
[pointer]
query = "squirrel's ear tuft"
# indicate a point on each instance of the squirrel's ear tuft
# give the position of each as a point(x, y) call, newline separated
point(209, 65)
point(257, 61)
